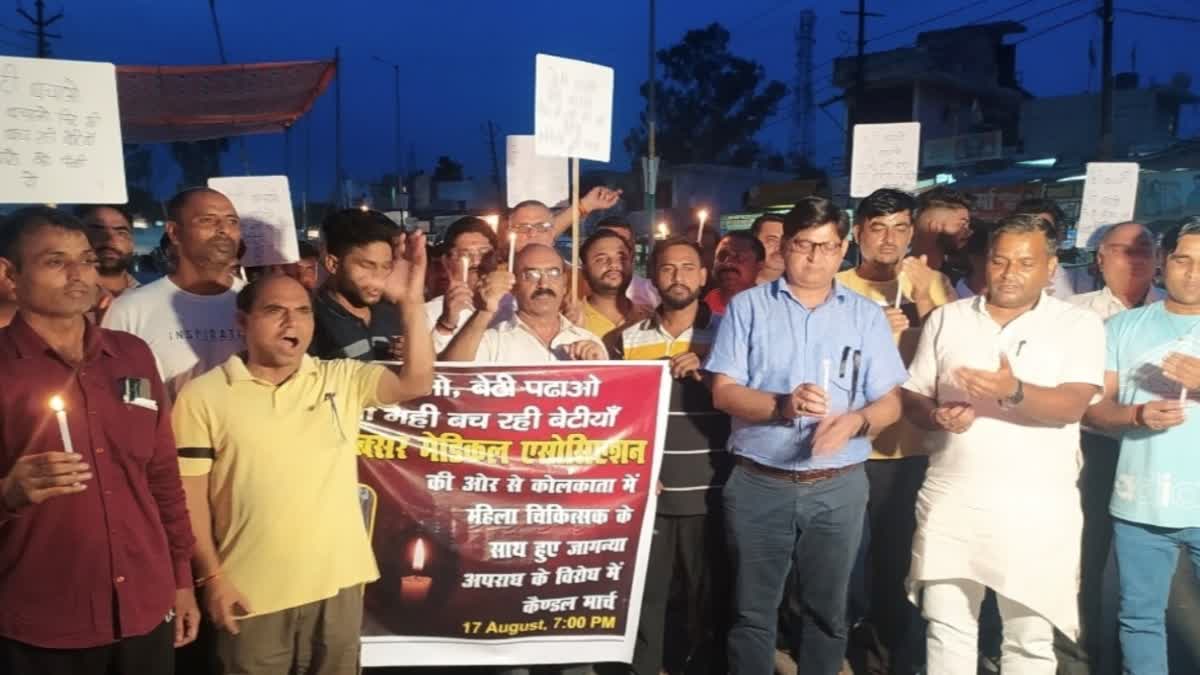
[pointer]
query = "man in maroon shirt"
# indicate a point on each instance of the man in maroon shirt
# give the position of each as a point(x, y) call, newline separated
point(95, 541)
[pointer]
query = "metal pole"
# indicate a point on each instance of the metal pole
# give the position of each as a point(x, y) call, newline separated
point(399, 152)
point(337, 126)
point(1106, 84)
point(651, 167)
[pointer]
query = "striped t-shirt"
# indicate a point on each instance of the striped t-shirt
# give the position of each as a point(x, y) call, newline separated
point(695, 463)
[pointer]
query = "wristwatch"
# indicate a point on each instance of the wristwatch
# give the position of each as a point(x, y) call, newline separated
point(779, 414)
point(1016, 398)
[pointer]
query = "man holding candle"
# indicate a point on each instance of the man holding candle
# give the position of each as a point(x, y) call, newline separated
point(883, 229)
point(187, 316)
point(531, 222)
point(1150, 385)
point(471, 250)
point(807, 370)
point(1004, 378)
point(538, 332)
point(95, 544)
point(356, 318)
point(268, 454)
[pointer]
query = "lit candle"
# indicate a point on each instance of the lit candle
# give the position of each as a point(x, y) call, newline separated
point(512, 252)
point(663, 231)
point(702, 215)
point(414, 587)
point(466, 268)
point(825, 366)
point(363, 206)
point(1183, 395)
point(493, 220)
point(60, 412)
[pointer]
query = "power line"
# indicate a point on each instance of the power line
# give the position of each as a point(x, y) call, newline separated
point(1056, 26)
point(939, 17)
point(1165, 17)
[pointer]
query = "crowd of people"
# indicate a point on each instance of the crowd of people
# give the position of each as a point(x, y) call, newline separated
point(904, 457)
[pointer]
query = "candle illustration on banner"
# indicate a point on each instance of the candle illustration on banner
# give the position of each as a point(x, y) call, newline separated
point(60, 412)
point(512, 252)
point(702, 215)
point(415, 587)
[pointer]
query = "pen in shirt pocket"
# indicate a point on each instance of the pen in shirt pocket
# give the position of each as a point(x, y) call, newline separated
point(337, 420)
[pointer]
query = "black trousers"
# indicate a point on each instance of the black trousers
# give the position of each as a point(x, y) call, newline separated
point(1100, 455)
point(686, 553)
point(891, 640)
point(150, 654)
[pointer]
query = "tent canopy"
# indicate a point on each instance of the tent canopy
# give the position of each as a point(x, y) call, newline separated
point(193, 103)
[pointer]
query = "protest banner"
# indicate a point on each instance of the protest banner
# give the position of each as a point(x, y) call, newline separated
point(531, 176)
point(511, 514)
point(62, 133)
point(264, 204)
point(885, 156)
point(1109, 197)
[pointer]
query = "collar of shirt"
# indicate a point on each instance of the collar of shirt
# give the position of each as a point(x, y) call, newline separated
point(28, 344)
point(236, 371)
point(780, 288)
point(704, 318)
point(340, 334)
point(565, 327)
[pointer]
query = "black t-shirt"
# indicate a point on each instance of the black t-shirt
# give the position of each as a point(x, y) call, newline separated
point(341, 335)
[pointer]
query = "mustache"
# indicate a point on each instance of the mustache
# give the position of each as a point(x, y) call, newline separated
point(543, 291)
point(673, 287)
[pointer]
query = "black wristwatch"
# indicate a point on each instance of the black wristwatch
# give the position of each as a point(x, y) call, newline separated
point(1018, 396)
point(778, 416)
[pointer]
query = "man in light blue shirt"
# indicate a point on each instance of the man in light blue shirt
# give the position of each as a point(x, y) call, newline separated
point(807, 369)
point(1151, 386)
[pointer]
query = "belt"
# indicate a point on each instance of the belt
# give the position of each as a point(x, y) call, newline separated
point(799, 477)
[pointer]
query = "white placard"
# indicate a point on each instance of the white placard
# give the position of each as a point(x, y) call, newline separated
point(61, 138)
point(264, 204)
point(1109, 197)
point(573, 102)
point(530, 176)
point(885, 156)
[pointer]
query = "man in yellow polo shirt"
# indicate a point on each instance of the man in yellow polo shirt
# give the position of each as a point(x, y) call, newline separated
point(267, 451)
point(883, 229)
point(608, 269)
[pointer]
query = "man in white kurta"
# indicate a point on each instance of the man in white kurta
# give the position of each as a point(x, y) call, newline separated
point(1005, 378)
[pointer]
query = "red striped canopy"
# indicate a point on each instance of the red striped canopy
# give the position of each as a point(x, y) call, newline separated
point(193, 103)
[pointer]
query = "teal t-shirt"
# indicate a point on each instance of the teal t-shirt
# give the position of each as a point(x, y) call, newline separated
point(1158, 474)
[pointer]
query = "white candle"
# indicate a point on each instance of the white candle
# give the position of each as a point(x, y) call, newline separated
point(60, 412)
point(512, 252)
point(663, 231)
point(825, 366)
point(1183, 395)
point(466, 269)
point(702, 214)
point(899, 283)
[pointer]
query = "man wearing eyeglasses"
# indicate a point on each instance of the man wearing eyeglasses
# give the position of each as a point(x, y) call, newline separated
point(470, 251)
point(807, 369)
point(538, 332)
point(533, 223)
point(738, 262)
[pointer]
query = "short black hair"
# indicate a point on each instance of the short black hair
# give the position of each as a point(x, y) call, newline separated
point(756, 226)
point(469, 224)
point(307, 250)
point(942, 197)
point(614, 223)
point(813, 212)
point(20, 224)
point(179, 202)
point(352, 228)
point(1026, 223)
point(884, 202)
point(598, 236)
point(760, 251)
point(1186, 227)
point(84, 210)
point(978, 240)
point(670, 242)
point(1036, 205)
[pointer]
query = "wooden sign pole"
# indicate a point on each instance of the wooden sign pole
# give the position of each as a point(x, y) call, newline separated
point(574, 228)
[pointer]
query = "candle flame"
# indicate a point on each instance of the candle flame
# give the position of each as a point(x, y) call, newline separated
point(56, 404)
point(702, 214)
point(663, 230)
point(493, 220)
point(418, 560)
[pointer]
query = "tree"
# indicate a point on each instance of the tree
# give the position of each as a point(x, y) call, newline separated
point(447, 170)
point(199, 160)
point(710, 103)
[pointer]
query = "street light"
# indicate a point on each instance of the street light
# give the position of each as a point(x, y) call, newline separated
point(396, 72)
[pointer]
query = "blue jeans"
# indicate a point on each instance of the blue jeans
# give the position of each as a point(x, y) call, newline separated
point(1146, 560)
point(773, 524)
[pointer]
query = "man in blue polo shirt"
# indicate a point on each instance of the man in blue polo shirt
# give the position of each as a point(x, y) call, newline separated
point(808, 370)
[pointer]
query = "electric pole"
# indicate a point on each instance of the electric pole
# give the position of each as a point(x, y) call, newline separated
point(650, 161)
point(396, 112)
point(860, 77)
point(40, 23)
point(1106, 83)
point(491, 130)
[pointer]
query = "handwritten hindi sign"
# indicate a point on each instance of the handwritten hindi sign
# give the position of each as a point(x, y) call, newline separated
point(264, 203)
point(511, 514)
point(531, 176)
point(573, 103)
point(1109, 197)
point(61, 137)
point(885, 156)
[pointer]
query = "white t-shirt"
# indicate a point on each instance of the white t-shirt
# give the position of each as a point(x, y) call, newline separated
point(513, 342)
point(189, 334)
